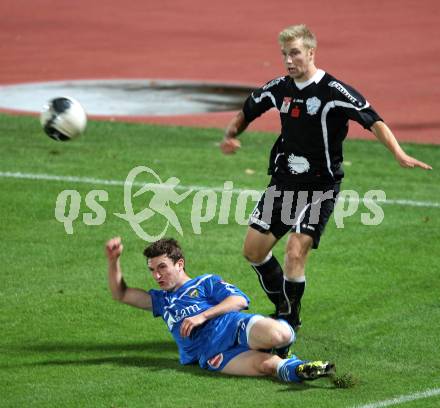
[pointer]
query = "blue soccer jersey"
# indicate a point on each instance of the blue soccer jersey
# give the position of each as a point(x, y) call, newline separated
point(193, 298)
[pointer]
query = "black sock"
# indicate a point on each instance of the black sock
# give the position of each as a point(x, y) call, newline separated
point(290, 299)
point(270, 275)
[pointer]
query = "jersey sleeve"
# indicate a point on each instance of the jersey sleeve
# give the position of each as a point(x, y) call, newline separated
point(354, 105)
point(261, 100)
point(157, 300)
point(218, 290)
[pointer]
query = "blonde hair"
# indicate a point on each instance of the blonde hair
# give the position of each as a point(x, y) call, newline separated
point(295, 32)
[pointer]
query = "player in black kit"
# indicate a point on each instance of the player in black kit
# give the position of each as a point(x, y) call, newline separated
point(305, 164)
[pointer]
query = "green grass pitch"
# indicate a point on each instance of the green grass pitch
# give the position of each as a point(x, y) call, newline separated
point(371, 305)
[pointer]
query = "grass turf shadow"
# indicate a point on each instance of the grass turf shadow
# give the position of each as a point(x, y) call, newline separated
point(164, 363)
point(54, 347)
point(157, 356)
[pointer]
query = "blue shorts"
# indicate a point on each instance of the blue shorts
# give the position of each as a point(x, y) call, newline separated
point(230, 340)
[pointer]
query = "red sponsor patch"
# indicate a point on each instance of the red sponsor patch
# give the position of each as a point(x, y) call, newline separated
point(215, 361)
point(295, 112)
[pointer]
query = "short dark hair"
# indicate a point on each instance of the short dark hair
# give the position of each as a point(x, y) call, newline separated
point(165, 246)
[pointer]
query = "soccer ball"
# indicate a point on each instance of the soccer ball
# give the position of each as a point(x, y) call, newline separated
point(63, 118)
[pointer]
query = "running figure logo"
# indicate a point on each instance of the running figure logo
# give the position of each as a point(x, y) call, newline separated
point(164, 194)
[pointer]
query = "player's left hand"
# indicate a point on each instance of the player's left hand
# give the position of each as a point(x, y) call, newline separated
point(410, 162)
point(230, 145)
point(190, 323)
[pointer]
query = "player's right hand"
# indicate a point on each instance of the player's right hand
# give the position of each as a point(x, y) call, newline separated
point(190, 323)
point(410, 162)
point(230, 145)
point(113, 248)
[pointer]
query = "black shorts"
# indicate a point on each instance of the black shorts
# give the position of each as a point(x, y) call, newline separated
point(299, 208)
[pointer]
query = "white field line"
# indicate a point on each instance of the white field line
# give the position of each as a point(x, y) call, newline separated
point(402, 399)
point(104, 182)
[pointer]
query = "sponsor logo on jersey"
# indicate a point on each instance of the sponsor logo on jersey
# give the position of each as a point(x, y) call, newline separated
point(275, 81)
point(169, 320)
point(179, 314)
point(286, 105)
point(295, 112)
point(313, 105)
point(298, 164)
point(343, 91)
point(215, 362)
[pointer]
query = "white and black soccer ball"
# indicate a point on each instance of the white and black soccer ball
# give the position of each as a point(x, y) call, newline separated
point(63, 118)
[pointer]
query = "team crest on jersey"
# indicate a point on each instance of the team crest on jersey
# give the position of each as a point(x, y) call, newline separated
point(194, 293)
point(286, 105)
point(313, 105)
point(298, 164)
point(215, 361)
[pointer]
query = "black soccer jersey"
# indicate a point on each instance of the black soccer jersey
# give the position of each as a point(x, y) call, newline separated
point(314, 123)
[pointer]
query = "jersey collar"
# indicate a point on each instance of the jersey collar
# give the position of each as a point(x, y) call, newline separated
point(315, 78)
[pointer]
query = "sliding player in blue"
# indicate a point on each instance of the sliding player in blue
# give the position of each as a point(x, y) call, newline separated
point(204, 315)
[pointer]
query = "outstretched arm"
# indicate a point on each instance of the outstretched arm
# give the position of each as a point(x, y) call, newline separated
point(230, 143)
point(232, 303)
point(385, 135)
point(120, 291)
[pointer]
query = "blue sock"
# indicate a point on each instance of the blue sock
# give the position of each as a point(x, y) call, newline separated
point(286, 369)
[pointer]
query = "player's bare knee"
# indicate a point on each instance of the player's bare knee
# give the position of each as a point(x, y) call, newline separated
point(279, 333)
point(296, 254)
point(253, 255)
point(286, 335)
point(280, 336)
